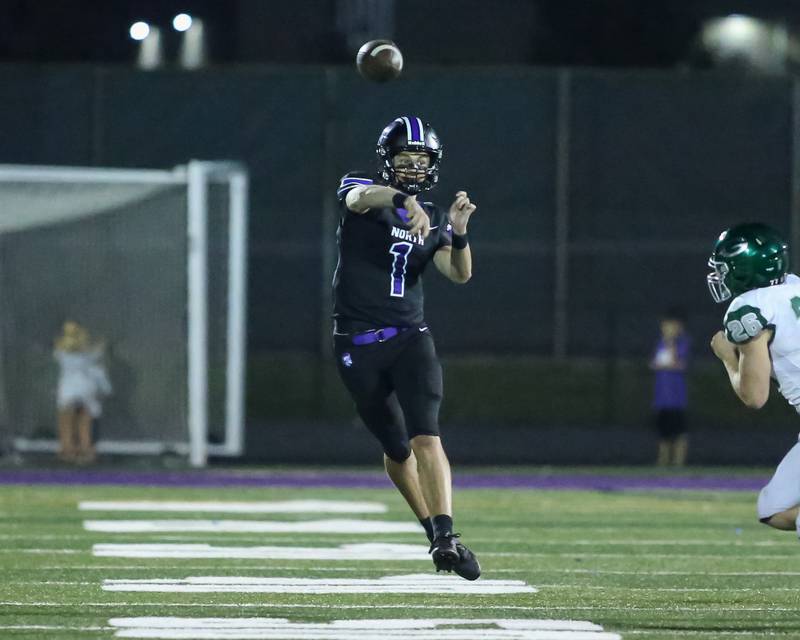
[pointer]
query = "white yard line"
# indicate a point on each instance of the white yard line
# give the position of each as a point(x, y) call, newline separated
point(274, 506)
point(265, 605)
point(380, 624)
point(674, 573)
point(360, 527)
point(279, 634)
point(723, 540)
point(422, 583)
point(399, 629)
point(353, 585)
point(627, 632)
point(348, 552)
point(731, 541)
point(403, 606)
point(249, 567)
point(524, 554)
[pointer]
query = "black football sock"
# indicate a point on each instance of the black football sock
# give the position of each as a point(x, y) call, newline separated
point(428, 524)
point(442, 525)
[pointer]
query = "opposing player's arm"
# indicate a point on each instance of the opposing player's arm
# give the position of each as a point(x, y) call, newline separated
point(743, 348)
point(748, 366)
point(755, 367)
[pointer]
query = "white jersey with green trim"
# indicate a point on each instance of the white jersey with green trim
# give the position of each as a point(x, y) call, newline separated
point(776, 307)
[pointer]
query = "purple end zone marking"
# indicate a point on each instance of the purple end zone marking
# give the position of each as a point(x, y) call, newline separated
point(349, 480)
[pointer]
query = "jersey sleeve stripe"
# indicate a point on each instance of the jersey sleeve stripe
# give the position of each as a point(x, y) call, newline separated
point(351, 183)
point(348, 187)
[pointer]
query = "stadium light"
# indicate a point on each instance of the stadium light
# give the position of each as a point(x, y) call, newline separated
point(151, 54)
point(193, 54)
point(182, 22)
point(747, 42)
point(139, 30)
point(738, 30)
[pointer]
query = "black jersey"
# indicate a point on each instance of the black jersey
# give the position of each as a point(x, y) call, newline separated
point(378, 280)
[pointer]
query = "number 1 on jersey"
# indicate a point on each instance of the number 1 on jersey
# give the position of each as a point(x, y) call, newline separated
point(400, 251)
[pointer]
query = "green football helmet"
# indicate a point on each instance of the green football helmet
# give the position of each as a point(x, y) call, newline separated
point(747, 256)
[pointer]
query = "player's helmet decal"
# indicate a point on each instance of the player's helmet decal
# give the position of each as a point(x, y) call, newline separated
point(409, 133)
point(745, 257)
point(735, 250)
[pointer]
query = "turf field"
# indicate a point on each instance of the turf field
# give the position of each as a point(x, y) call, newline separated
point(650, 564)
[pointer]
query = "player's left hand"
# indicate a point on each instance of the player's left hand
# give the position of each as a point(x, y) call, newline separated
point(723, 349)
point(460, 211)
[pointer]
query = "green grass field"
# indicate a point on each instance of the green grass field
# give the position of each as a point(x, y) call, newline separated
point(654, 565)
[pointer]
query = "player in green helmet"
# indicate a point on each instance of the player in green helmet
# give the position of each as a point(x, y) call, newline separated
point(747, 256)
point(760, 340)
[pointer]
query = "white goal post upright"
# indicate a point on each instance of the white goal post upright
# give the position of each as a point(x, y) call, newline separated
point(237, 313)
point(197, 177)
point(197, 199)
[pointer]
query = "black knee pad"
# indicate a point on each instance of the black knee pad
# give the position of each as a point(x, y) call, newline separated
point(398, 451)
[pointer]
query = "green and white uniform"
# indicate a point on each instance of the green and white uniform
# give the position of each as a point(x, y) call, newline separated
point(775, 308)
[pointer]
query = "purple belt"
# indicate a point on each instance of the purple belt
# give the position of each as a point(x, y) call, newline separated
point(378, 335)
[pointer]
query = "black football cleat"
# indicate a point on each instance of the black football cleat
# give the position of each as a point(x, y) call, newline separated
point(467, 566)
point(444, 552)
point(450, 555)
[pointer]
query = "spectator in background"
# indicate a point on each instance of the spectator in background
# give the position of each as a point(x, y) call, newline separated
point(670, 400)
point(82, 382)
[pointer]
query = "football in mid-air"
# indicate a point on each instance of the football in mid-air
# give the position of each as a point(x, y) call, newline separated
point(379, 60)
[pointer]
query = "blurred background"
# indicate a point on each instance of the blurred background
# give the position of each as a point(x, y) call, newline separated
point(607, 144)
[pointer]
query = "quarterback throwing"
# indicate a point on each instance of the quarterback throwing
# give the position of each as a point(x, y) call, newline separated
point(384, 349)
point(760, 340)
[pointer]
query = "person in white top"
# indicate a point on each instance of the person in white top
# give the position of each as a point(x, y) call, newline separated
point(82, 383)
point(761, 340)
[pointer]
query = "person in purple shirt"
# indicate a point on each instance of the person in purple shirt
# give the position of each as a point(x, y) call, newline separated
point(670, 397)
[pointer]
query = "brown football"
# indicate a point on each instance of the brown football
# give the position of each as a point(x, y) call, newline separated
point(379, 60)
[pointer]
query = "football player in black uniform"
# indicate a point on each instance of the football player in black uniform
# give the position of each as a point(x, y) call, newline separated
point(384, 350)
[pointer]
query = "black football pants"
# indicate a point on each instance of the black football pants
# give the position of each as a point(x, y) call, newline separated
point(396, 386)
